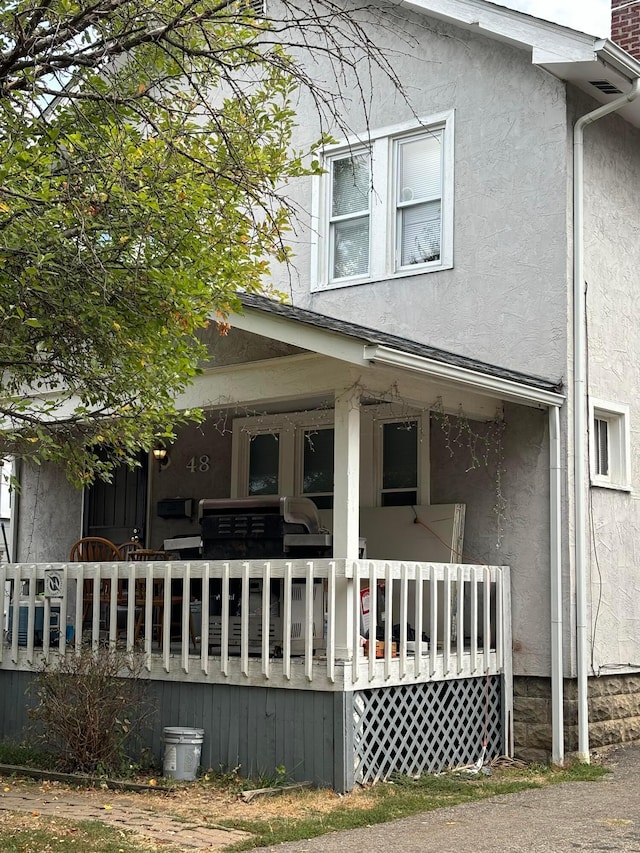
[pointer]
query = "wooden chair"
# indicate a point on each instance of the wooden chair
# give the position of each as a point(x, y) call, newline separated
point(129, 547)
point(93, 549)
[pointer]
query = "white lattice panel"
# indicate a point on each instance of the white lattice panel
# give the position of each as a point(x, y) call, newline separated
point(425, 728)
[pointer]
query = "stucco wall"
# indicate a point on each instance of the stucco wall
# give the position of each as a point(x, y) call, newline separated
point(518, 536)
point(505, 299)
point(612, 265)
point(49, 513)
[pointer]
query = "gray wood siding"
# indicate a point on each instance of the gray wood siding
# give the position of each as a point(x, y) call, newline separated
point(258, 730)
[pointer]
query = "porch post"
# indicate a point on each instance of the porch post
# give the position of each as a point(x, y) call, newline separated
point(346, 520)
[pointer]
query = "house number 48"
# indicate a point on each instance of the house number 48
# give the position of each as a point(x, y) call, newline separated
point(198, 463)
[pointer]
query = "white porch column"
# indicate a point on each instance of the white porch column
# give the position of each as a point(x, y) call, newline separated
point(346, 506)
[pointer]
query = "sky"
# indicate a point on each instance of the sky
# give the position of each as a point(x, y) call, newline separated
point(588, 16)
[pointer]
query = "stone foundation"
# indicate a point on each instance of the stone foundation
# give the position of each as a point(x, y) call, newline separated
point(614, 714)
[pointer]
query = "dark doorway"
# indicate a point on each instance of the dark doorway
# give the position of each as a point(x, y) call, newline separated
point(118, 510)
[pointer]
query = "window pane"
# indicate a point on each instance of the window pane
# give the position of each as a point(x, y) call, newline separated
point(350, 248)
point(318, 461)
point(601, 437)
point(399, 498)
point(350, 185)
point(420, 168)
point(420, 228)
point(264, 453)
point(399, 455)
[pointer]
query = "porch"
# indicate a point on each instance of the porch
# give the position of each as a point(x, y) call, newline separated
point(295, 629)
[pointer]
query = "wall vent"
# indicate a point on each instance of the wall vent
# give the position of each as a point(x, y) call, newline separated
point(606, 87)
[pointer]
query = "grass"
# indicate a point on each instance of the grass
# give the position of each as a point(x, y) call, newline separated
point(21, 833)
point(403, 797)
point(215, 798)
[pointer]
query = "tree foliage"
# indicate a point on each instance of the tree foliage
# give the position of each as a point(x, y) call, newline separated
point(145, 151)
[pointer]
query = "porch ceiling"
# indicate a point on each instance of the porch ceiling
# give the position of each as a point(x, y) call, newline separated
point(361, 347)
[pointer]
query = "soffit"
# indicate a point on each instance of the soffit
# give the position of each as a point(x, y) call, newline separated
point(572, 56)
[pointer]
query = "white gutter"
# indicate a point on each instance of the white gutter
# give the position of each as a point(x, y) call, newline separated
point(481, 382)
point(579, 407)
point(555, 536)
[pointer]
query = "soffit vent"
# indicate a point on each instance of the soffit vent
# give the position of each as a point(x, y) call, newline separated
point(606, 87)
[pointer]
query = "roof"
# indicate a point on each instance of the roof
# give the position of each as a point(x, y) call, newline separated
point(379, 346)
point(577, 58)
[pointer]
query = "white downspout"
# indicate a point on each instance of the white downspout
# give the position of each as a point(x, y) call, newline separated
point(555, 515)
point(579, 408)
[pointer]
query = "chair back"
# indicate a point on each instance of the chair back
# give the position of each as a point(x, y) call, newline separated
point(127, 547)
point(94, 549)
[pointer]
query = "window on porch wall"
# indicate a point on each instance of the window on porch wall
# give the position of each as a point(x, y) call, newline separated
point(293, 455)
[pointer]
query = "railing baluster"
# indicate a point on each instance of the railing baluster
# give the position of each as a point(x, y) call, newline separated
point(244, 620)
point(486, 601)
point(79, 619)
point(433, 627)
point(186, 617)
point(204, 619)
point(460, 626)
point(266, 617)
point(418, 604)
point(373, 617)
point(499, 582)
point(331, 632)
point(357, 607)
point(224, 611)
point(148, 614)
point(286, 622)
point(3, 588)
point(447, 622)
point(31, 618)
point(388, 621)
point(402, 651)
point(308, 622)
point(474, 620)
point(166, 617)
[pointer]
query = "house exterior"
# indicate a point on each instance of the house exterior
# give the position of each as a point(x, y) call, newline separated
point(457, 349)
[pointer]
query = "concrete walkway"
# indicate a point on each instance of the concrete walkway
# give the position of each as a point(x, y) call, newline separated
point(566, 818)
point(182, 834)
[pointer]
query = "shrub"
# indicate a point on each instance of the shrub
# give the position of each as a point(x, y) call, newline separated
point(90, 709)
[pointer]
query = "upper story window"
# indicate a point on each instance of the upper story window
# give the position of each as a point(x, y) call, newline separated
point(385, 208)
point(609, 445)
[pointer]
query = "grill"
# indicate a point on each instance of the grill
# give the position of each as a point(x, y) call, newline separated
point(261, 527)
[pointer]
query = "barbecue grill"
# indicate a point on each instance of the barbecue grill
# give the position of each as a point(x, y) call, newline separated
point(262, 527)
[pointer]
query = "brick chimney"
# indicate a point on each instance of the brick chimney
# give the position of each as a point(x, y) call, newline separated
point(625, 25)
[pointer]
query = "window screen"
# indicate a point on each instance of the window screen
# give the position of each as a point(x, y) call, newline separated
point(419, 199)
point(349, 223)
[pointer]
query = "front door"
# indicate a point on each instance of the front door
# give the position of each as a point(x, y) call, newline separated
point(117, 510)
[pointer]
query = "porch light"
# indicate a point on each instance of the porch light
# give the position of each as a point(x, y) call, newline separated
point(161, 456)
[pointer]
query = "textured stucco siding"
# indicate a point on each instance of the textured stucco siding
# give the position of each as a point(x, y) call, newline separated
point(518, 535)
point(49, 514)
point(612, 272)
point(504, 301)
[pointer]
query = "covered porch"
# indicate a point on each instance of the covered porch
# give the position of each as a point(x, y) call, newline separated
point(390, 652)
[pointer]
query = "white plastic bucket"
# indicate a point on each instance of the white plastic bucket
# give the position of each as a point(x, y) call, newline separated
point(182, 750)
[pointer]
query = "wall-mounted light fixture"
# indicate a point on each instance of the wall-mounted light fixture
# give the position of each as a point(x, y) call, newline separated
point(161, 456)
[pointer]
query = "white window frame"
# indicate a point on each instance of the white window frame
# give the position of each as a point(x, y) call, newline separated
point(384, 261)
point(616, 416)
point(290, 428)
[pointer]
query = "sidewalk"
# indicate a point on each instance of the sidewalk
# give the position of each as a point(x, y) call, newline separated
point(573, 816)
point(110, 809)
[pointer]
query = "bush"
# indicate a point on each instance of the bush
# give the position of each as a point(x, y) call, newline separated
point(90, 709)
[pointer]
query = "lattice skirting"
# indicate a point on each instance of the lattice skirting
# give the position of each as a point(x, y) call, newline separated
point(425, 727)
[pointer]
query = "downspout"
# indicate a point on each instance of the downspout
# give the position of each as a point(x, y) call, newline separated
point(555, 504)
point(579, 408)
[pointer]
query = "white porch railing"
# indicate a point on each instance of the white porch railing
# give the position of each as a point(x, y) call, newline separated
point(286, 624)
